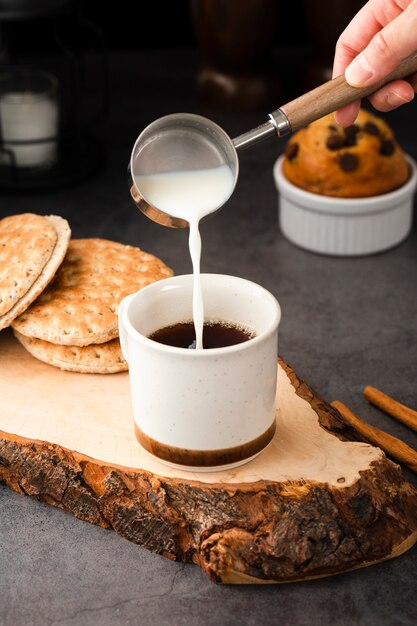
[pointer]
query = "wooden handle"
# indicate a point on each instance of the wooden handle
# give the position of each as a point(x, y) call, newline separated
point(337, 93)
point(397, 410)
point(394, 447)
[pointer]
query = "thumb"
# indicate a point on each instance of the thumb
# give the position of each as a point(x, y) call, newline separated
point(386, 50)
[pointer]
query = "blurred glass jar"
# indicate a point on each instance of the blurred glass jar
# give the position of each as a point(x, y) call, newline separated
point(236, 40)
point(29, 117)
point(325, 20)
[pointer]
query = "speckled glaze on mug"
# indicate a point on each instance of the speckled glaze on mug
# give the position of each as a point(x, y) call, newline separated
point(202, 409)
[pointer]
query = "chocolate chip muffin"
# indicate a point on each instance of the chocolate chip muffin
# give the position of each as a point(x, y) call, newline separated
point(361, 160)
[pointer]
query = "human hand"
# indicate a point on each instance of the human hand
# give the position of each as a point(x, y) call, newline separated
point(381, 35)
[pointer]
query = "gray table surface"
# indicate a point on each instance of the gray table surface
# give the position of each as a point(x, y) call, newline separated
point(346, 323)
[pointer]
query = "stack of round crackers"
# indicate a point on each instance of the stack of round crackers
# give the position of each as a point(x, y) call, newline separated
point(74, 324)
point(32, 247)
point(61, 296)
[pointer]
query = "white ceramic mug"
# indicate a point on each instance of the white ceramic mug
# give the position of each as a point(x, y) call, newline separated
point(202, 409)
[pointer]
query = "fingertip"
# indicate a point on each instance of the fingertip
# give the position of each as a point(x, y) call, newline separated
point(360, 73)
point(398, 98)
point(347, 115)
point(392, 96)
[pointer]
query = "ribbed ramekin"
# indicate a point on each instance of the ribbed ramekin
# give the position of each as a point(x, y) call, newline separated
point(345, 226)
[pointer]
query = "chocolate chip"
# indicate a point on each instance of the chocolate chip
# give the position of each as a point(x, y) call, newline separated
point(371, 128)
point(350, 135)
point(333, 128)
point(350, 141)
point(291, 150)
point(352, 130)
point(335, 142)
point(348, 162)
point(387, 147)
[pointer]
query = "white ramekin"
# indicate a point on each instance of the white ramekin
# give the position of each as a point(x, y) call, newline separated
point(344, 226)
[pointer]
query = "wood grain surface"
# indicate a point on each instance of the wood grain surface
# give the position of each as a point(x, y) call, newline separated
point(316, 502)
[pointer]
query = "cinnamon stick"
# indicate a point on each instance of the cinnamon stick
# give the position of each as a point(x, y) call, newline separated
point(397, 410)
point(394, 447)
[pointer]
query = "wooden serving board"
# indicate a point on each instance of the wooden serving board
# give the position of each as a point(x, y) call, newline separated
point(317, 501)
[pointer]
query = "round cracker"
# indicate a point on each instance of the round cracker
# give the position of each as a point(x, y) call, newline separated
point(63, 232)
point(26, 244)
point(102, 358)
point(80, 305)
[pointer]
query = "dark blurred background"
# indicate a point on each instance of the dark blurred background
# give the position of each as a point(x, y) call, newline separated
point(116, 63)
point(134, 26)
point(265, 26)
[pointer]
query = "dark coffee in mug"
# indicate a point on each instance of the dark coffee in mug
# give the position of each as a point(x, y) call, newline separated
point(215, 335)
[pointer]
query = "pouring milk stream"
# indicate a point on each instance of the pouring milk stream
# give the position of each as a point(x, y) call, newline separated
point(190, 195)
